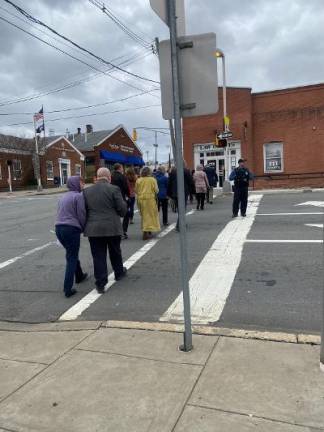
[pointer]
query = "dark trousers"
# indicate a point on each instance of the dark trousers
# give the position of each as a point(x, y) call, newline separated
point(176, 201)
point(126, 222)
point(200, 200)
point(69, 237)
point(240, 200)
point(99, 246)
point(131, 205)
point(164, 203)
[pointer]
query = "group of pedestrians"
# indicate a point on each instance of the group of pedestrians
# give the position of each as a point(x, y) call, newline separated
point(103, 212)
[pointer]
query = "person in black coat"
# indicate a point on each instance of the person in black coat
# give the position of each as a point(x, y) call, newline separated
point(173, 187)
point(119, 179)
point(241, 176)
point(212, 180)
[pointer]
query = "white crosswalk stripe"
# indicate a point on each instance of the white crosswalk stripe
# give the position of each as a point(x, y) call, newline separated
point(211, 283)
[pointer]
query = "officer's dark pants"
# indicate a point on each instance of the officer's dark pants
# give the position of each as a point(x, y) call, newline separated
point(99, 246)
point(240, 200)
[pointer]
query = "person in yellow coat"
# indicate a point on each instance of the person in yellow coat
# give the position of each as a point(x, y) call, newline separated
point(146, 189)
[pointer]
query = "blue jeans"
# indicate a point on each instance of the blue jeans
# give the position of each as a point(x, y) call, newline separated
point(69, 237)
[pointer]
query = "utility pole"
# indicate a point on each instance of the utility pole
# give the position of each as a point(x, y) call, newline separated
point(171, 6)
point(322, 332)
point(147, 156)
point(155, 148)
point(37, 164)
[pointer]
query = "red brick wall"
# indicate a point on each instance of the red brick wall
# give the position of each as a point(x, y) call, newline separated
point(294, 117)
point(119, 139)
point(202, 129)
point(61, 149)
point(27, 170)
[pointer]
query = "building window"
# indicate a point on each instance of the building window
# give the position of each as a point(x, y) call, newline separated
point(78, 170)
point(16, 169)
point(202, 162)
point(49, 170)
point(201, 154)
point(273, 157)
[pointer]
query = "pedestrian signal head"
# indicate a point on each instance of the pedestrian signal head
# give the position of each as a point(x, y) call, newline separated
point(222, 143)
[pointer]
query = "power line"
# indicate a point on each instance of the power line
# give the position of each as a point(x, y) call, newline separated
point(107, 11)
point(85, 115)
point(37, 21)
point(70, 55)
point(82, 107)
point(66, 87)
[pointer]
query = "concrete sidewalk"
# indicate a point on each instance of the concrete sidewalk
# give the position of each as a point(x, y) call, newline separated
point(32, 192)
point(87, 377)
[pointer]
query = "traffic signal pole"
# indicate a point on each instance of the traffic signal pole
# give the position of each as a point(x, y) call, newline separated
point(187, 345)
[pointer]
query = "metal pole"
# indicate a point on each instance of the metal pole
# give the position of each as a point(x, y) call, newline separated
point(187, 345)
point(224, 93)
point(155, 152)
point(37, 166)
point(322, 332)
point(172, 138)
point(226, 183)
point(9, 179)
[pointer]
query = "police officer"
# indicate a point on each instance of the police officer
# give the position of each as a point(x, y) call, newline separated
point(241, 176)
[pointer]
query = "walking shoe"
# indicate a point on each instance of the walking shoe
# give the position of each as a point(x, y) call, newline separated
point(121, 276)
point(234, 215)
point(243, 215)
point(70, 293)
point(101, 290)
point(166, 224)
point(146, 235)
point(125, 236)
point(131, 222)
point(83, 278)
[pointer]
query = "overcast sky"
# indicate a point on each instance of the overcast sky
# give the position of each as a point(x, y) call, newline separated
point(268, 44)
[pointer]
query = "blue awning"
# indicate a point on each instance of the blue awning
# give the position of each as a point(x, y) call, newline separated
point(120, 158)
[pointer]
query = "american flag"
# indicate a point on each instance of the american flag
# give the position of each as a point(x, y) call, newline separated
point(39, 121)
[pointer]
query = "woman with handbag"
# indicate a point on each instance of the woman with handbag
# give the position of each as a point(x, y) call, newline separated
point(201, 185)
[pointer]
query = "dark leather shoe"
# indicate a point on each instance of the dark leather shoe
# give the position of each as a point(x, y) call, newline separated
point(83, 278)
point(121, 276)
point(100, 290)
point(70, 293)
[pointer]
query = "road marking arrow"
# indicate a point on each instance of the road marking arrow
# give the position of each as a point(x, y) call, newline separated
point(311, 203)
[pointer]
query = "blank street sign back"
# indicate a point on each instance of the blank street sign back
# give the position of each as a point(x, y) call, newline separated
point(198, 76)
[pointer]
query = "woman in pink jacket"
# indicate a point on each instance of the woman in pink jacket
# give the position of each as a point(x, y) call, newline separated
point(201, 185)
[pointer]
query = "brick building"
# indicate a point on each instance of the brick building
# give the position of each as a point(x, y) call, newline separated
point(280, 133)
point(63, 156)
point(105, 148)
point(58, 160)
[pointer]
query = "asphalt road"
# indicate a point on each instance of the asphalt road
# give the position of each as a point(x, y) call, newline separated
point(274, 284)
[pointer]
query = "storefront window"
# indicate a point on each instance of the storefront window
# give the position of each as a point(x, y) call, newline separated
point(273, 157)
point(49, 170)
point(16, 169)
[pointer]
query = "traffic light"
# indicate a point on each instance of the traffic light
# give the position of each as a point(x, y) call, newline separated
point(134, 135)
point(222, 143)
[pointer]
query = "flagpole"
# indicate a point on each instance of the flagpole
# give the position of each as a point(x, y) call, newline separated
point(37, 167)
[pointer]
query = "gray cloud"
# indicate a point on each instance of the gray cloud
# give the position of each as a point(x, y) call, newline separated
point(267, 45)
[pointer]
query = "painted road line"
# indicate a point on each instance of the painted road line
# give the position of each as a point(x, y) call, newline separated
point(211, 283)
point(315, 225)
point(25, 254)
point(282, 241)
point(75, 311)
point(290, 214)
point(311, 203)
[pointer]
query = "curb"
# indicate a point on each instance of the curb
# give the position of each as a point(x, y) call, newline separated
point(295, 338)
